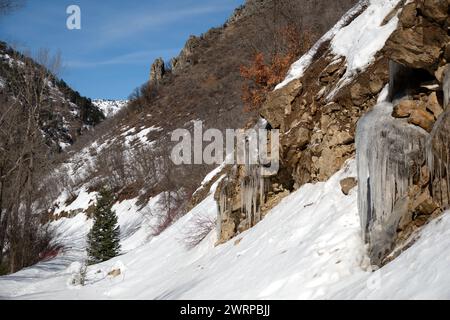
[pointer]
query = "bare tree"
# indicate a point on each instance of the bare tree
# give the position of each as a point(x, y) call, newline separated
point(197, 230)
point(24, 156)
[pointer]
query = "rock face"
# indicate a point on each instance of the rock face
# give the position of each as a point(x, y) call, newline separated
point(157, 71)
point(189, 55)
point(317, 134)
point(421, 37)
point(409, 143)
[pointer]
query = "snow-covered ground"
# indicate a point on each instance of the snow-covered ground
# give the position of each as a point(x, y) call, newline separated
point(308, 247)
point(110, 107)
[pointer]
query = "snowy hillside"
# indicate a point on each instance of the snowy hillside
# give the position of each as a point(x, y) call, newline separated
point(109, 107)
point(308, 247)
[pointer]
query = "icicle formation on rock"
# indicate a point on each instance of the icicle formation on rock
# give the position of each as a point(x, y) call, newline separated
point(253, 188)
point(252, 194)
point(438, 152)
point(390, 155)
point(242, 194)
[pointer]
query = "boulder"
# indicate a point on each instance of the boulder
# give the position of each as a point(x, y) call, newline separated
point(348, 184)
point(422, 118)
point(359, 94)
point(115, 273)
point(417, 47)
point(408, 16)
point(404, 108)
point(434, 106)
point(435, 10)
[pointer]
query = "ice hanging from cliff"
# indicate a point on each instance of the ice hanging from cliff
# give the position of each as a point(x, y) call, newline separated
point(438, 151)
point(389, 157)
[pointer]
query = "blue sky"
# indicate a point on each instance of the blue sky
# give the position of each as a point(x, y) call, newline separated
point(112, 53)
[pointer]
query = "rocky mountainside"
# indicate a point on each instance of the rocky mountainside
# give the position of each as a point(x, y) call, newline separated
point(65, 114)
point(401, 47)
point(202, 84)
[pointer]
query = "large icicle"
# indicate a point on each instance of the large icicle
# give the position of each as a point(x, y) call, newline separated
point(389, 156)
point(438, 150)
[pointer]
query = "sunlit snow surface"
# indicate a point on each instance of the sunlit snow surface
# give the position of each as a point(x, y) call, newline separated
point(308, 247)
point(357, 41)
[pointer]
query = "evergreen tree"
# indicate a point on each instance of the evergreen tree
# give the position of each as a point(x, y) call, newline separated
point(103, 239)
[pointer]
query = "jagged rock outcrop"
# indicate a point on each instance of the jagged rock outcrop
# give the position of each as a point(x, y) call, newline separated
point(188, 55)
point(157, 71)
point(420, 37)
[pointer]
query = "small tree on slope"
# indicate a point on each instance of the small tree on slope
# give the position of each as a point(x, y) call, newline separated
point(103, 239)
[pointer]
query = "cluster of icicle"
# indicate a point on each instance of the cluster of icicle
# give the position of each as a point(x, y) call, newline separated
point(389, 156)
point(252, 194)
point(252, 184)
point(253, 187)
point(223, 203)
point(438, 152)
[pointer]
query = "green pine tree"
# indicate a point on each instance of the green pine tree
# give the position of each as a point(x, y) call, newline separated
point(103, 239)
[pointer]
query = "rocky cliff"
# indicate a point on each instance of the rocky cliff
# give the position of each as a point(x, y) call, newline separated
point(338, 86)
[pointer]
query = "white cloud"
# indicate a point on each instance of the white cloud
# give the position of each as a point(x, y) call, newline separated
point(130, 24)
point(129, 58)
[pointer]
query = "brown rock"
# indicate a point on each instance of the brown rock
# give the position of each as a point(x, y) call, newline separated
point(348, 184)
point(302, 137)
point(340, 138)
point(424, 204)
point(359, 94)
point(227, 231)
point(436, 10)
point(157, 70)
point(332, 72)
point(447, 52)
point(418, 47)
point(434, 106)
point(440, 73)
point(424, 176)
point(422, 118)
point(273, 110)
point(115, 273)
point(376, 85)
point(404, 108)
point(408, 16)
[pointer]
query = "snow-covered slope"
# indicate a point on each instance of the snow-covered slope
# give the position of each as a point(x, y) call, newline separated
point(308, 247)
point(356, 40)
point(110, 107)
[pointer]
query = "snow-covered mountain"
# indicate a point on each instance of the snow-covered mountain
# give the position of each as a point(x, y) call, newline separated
point(109, 107)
